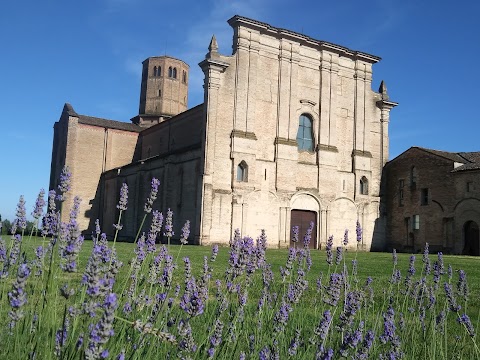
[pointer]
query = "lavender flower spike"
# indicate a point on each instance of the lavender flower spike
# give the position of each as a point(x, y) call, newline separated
point(122, 203)
point(169, 224)
point(339, 255)
point(295, 231)
point(345, 237)
point(20, 219)
point(39, 205)
point(64, 185)
point(185, 233)
point(328, 249)
point(74, 240)
point(102, 331)
point(50, 220)
point(18, 295)
point(153, 195)
point(214, 252)
point(465, 320)
point(155, 227)
point(359, 231)
point(3, 251)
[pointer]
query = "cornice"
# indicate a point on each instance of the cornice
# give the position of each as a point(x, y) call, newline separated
point(301, 38)
point(243, 134)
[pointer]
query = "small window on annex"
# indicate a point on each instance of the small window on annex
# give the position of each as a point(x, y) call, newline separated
point(424, 197)
point(242, 172)
point(470, 187)
point(416, 222)
point(364, 186)
point(413, 178)
point(305, 133)
point(401, 184)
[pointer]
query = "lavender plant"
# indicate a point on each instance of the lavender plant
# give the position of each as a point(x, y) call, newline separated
point(242, 302)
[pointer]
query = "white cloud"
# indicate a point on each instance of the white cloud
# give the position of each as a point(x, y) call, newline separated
point(199, 34)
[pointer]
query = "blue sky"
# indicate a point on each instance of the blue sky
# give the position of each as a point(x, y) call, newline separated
point(89, 53)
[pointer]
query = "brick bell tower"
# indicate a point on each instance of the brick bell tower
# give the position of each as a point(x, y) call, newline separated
point(164, 90)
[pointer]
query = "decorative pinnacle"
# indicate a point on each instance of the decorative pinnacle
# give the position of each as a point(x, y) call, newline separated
point(213, 47)
point(383, 90)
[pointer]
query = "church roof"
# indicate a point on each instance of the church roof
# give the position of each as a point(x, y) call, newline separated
point(473, 161)
point(95, 121)
point(469, 160)
point(445, 154)
point(298, 36)
point(106, 123)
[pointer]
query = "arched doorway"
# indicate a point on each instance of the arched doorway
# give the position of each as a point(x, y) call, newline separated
point(302, 219)
point(471, 240)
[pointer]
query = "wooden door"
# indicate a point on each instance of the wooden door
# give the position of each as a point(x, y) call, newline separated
point(302, 219)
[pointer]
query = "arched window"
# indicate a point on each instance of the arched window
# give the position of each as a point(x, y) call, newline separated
point(413, 178)
point(174, 73)
point(170, 71)
point(159, 71)
point(305, 133)
point(364, 186)
point(242, 171)
point(184, 78)
point(154, 71)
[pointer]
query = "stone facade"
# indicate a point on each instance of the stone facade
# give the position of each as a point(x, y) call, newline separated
point(433, 197)
point(254, 100)
point(289, 126)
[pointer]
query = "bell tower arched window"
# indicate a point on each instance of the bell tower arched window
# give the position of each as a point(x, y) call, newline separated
point(170, 72)
point(174, 74)
point(242, 172)
point(364, 186)
point(305, 133)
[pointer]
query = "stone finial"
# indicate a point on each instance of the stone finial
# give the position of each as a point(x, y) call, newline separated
point(383, 90)
point(213, 47)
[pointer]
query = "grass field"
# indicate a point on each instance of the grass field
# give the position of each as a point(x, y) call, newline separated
point(231, 322)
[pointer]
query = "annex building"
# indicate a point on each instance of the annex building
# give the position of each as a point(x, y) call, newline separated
point(290, 131)
point(433, 197)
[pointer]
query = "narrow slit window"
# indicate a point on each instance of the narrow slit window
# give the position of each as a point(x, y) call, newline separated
point(401, 185)
point(413, 178)
point(424, 197)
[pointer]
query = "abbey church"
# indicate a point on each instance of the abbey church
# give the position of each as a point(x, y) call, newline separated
point(290, 131)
